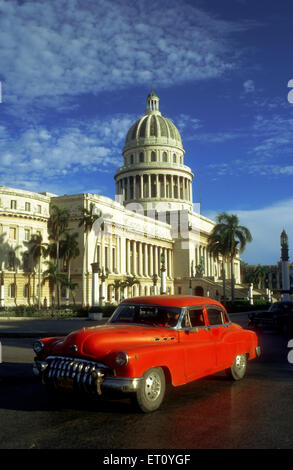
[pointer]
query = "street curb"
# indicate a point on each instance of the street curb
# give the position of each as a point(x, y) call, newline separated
point(29, 334)
point(44, 319)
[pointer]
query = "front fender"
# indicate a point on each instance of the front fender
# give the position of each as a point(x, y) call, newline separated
point(169, 357)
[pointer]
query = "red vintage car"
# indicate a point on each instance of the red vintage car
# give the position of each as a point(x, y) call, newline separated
point(148, 342)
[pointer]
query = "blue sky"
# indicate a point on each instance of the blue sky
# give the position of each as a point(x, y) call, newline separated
point(75, 76)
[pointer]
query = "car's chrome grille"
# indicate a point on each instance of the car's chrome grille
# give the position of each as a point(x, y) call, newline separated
point(79, 371)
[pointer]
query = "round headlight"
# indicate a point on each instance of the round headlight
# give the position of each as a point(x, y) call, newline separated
point(122, 359)
point(38, 347)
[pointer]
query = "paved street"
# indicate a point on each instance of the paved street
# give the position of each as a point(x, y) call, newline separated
point(256, 412)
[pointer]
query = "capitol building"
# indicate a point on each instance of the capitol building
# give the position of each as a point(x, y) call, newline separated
point(151, 233)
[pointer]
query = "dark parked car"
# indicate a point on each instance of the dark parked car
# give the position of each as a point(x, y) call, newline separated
point(279, 316)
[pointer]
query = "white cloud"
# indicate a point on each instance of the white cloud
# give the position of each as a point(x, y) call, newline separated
point(65, 48)
point(249, 86)
point(40, 154)
point(266, 225)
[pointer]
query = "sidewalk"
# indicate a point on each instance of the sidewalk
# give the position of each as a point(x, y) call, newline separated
point(41, 328)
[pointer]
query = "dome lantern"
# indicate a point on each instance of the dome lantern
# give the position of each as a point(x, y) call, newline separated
point(153, 103)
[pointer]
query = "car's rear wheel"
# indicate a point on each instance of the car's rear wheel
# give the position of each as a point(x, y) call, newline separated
point(152, 390)
point(238, 369)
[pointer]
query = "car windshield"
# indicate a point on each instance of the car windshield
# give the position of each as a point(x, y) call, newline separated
point(147, 315)
point(282, 307)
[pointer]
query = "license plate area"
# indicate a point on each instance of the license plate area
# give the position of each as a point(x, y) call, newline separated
point(65, 382)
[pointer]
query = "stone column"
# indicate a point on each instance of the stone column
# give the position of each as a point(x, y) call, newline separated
point(134, 258)
point(110, 255)
point(140, 259)
point(141, 186)
point(163, 272)
point(134, 186)
point(165, 186)
point(156, 259)
point(2, 291)
point(128, 267)
point(149, 186)
point(146, 260)
point(171, 186)
point(128, 188)
point(157, 186)
point(151, 259)
point(171, 264)
point(95, 285)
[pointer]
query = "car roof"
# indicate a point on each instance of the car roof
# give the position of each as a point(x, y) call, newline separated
point(173, 300)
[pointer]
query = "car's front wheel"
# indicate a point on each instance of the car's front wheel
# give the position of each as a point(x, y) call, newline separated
point(238, 369)
point(152, 390)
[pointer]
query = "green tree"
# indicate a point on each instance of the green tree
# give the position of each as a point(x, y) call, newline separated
point(118, 285)
point(69, 250)
point(69, 286)
point(217, 248)
point(259, 275)
point(38, 250)
point(232, 237)
point(130, 281)
point(57, 224)
point(88, 218)
point(54, 277)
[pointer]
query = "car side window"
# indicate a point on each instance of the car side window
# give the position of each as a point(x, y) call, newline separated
point(196, 317)
point(214, 316)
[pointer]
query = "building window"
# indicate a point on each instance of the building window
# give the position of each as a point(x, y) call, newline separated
point(11, 291)
point(141, 157)
point(26, 291)
point(13, 204)
point(153, 157)
point(131, 159)
point(28, 206)
point(12, 233)
point(174, 158)
point(165, 157)
point(39, 209)
point(27, 234)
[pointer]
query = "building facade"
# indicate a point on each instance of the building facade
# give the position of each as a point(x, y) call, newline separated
point(152, 233)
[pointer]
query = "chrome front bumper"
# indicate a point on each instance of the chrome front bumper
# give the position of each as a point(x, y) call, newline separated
point(83, 375)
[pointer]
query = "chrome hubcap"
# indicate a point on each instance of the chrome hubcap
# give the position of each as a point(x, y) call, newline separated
point(240, 362)
point(152, 386)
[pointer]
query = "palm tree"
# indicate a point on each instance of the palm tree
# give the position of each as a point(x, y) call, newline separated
point(131, 280)
point(118, 285)
point(232, 237)
point(70, 286)
point(57, 224)
point(55, 278)
point(88, 218)
point(218, 248)
point(38, 249)
point(69, 249)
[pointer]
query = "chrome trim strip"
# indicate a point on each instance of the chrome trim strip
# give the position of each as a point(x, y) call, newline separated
point(121, 384)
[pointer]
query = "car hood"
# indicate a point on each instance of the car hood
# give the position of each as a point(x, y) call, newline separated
point(100, 341)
